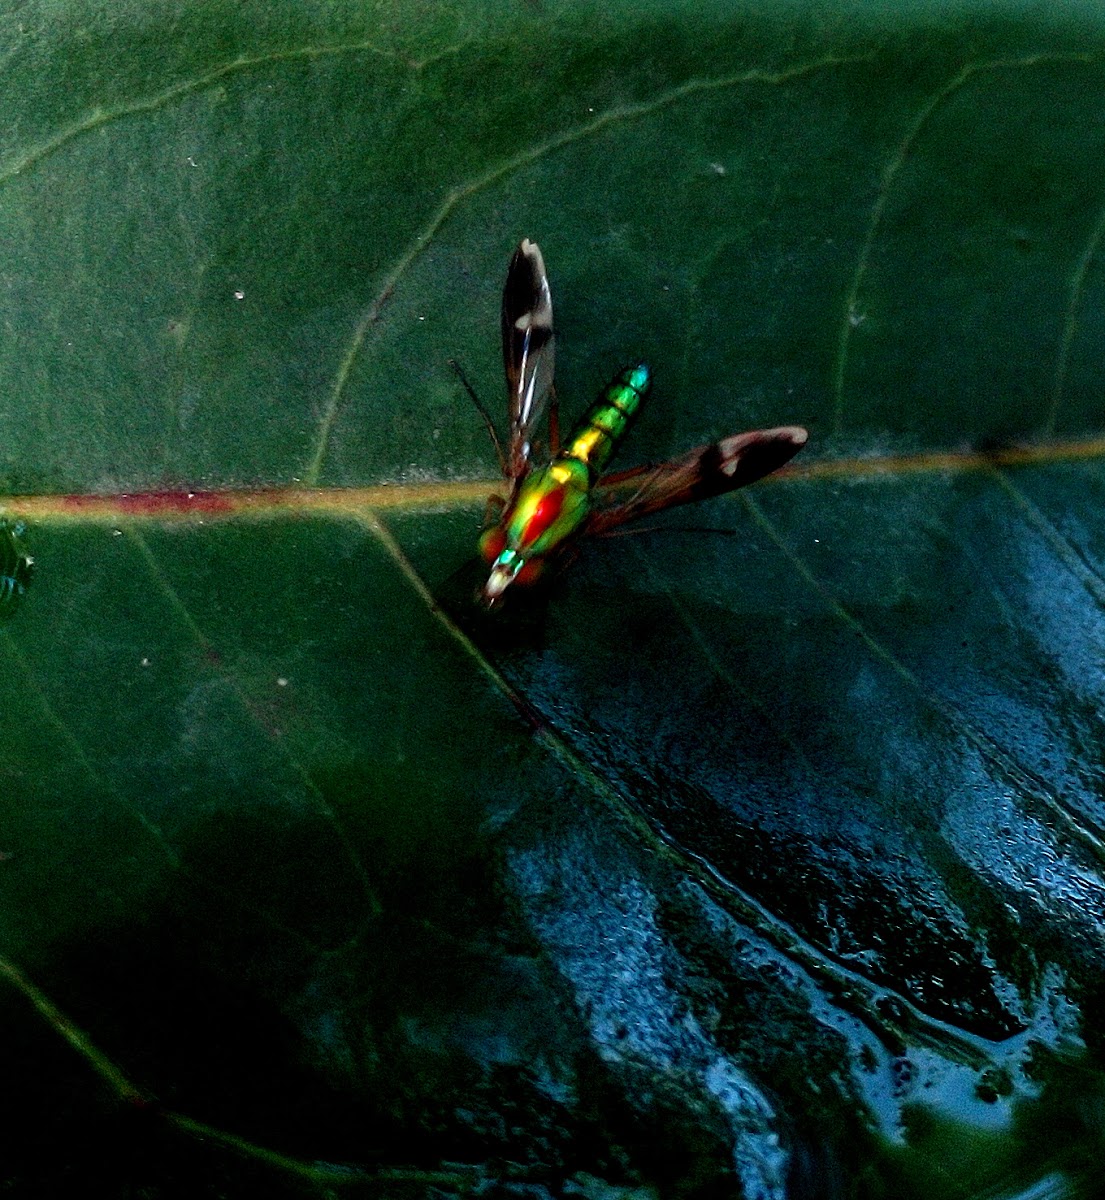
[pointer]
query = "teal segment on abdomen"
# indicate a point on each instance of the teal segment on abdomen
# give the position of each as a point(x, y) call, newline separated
point(608, 419)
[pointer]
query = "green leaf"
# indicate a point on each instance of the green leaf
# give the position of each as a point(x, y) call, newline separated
point(766, 861)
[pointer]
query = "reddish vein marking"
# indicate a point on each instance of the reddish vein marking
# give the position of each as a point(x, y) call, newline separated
point(150, 504)
point(187, 504)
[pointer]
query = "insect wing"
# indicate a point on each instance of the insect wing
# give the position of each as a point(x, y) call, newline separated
point(699, 474)
point(527, 350)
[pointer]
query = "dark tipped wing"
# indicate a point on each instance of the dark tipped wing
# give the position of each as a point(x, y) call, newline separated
point(527, 350)
point(697, 475)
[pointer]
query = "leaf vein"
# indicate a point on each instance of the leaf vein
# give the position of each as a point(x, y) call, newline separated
point(1030, 786)
point(154, 831)
point(852, 990)
point(851, 316)
point(310, 787)
point(1070, 320)
point(70, 739)
point(98, 117)
point(463, 192)
point(1067, 553)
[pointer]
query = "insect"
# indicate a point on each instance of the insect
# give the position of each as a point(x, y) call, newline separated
point(549, 508)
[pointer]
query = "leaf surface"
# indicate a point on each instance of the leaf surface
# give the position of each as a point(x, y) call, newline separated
point(755, 859)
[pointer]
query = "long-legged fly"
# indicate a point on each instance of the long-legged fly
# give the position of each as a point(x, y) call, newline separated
point(550, 507)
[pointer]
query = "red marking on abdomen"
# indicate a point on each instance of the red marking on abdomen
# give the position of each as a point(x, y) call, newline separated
point(547, 510)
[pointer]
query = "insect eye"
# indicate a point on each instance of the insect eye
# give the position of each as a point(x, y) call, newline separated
point(530, 573)
point(492, 543)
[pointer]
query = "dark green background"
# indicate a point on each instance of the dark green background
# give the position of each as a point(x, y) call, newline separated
point(768, 863)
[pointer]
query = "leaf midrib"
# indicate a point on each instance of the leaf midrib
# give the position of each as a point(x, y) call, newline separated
point(97, 508)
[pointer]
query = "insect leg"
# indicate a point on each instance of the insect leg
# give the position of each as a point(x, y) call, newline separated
point(493, 510)
point(459, 372)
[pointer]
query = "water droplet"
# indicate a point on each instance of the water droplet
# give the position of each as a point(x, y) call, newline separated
point(16, 565)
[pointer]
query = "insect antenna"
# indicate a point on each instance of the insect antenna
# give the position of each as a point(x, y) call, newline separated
point(459, 372)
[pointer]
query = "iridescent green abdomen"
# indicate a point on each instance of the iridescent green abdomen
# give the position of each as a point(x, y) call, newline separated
point(608, 420)
point(552, 503)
